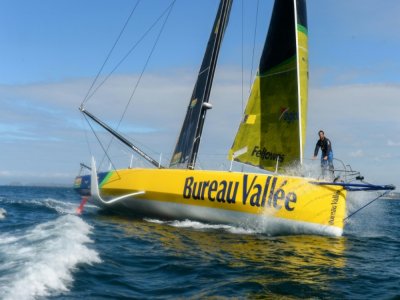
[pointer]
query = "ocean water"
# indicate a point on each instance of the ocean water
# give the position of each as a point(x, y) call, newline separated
point(47, 251)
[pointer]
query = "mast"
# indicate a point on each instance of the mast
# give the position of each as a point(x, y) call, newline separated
point(298, 86)
point(302, 70)
point(188, 143)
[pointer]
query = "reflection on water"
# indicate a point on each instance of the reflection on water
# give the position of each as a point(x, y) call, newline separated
point(269, 263)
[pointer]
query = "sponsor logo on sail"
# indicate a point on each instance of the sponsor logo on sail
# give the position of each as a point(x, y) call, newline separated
point(264, 154)
point(288, 116)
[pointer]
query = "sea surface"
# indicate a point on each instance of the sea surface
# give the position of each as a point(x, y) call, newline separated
point(47, 251)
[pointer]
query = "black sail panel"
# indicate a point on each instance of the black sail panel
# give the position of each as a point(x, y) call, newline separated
point(188, 142)
point(301, 13)
point(280, 44)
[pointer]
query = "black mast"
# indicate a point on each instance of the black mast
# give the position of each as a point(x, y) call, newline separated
point(188, 143)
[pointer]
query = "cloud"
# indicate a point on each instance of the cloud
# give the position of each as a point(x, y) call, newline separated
point(372, 102)
point(46, 133)
point(385, 156)
point(360, 120)
point(381, 19)
point(393, 144)
point(359, 116)
point(358, 153)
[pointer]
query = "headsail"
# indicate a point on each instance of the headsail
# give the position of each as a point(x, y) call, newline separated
point(188, 143)
point(274, 123)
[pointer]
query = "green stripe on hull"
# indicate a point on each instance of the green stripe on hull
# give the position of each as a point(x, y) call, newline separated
point(105, 179)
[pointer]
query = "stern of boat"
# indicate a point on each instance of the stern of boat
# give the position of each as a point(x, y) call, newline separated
point(82, 185)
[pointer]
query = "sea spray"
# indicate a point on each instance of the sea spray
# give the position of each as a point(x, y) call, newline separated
point(365, 222)
point(263, 226)
point(40, 260)
point(3, 213)
point(204, 226)
point(61, 207)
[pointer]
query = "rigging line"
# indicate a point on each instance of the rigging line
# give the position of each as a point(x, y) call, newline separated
point(352, 214)
point(147, 61)
point(101, 144)
point(254, 43)
point(143, 70)
point(109, 53)
point(131, 50)
point(146, 64)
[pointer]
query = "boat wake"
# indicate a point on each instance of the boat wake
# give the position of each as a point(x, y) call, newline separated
point(61, 207)
point(39, 261)
point(268, 227)
point(204, 226)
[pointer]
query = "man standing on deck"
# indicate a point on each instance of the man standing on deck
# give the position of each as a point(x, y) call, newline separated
point(327, 155)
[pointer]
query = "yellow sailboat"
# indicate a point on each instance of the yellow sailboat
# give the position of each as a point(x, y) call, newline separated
point(271, 137)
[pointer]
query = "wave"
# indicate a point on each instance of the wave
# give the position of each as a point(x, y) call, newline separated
point(40, 261)
point(61, 207)
point(204, 226)
point(264, 226)
point(3, 213)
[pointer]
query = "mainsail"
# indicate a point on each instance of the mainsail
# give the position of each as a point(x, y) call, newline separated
point(274, 124)
point(188, 142)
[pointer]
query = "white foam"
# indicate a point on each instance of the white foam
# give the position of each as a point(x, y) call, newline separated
point(3, 213)
point(241, 230)
point(154, 221)
point(61, 207)
point(40, 261)
point(198, 225)
point(204, 226)
point(259, 225)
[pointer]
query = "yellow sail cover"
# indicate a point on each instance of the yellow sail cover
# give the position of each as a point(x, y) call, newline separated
point(274, 124)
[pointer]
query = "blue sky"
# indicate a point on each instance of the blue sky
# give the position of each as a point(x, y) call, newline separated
point(51, 51)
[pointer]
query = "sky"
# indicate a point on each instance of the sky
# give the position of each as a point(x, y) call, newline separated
point(51, 51)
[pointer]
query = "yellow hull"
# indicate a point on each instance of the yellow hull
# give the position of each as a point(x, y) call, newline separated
point(229, 197)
